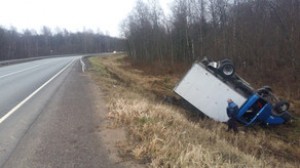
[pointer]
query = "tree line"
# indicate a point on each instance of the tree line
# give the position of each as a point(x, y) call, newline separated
point(14, 45)
point(260, 34)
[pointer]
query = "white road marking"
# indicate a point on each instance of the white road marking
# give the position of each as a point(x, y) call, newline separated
point(33, 93)
point(23, 70)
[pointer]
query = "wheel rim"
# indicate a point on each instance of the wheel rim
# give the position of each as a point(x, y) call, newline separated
point(283, 107)
point(228, 70)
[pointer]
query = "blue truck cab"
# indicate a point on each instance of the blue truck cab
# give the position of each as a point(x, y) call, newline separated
point(258, 110)
point(262, 106)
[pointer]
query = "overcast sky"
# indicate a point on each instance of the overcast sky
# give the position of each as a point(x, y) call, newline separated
point(74, 15)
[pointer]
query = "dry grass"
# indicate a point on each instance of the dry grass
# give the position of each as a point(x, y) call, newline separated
point(161, 135)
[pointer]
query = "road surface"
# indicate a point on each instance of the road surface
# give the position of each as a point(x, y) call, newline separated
point(47, 116)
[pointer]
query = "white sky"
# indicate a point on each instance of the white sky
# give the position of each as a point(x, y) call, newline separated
point(74, 15)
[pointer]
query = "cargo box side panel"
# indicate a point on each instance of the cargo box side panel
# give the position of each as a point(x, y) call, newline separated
point(207, 93)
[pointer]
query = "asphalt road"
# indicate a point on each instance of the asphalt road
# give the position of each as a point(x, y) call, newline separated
point(47, 116)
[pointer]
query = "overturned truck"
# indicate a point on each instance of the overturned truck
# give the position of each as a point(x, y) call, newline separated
point(208, 85)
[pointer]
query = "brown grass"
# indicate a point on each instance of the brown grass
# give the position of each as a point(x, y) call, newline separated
point(161, 134)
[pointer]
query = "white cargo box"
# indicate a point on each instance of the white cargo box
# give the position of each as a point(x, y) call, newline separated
point(207, 93)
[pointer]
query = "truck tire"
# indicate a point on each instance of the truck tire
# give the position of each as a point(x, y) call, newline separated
point(226, 68)
point(268, 88)
point(263, 92)
point(281, 107)
point(286, 116)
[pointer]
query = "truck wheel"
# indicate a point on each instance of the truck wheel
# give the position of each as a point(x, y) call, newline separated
point(281, 107)
point(268, 88)
point(286, 116)
point(227, 68)
point(226, 60)
point(263, 92)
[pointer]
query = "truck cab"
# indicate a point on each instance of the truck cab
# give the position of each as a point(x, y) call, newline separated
point(258, 110)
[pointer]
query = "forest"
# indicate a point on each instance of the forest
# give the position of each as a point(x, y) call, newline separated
point(262, 37)
point(29, 43)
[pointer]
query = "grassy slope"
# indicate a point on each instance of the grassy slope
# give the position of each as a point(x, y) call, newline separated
point(163, 135)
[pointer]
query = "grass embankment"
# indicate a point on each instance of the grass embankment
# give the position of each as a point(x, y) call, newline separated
point(162, 135)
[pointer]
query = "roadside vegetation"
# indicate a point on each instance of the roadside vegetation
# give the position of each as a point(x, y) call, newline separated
point(161, 133)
